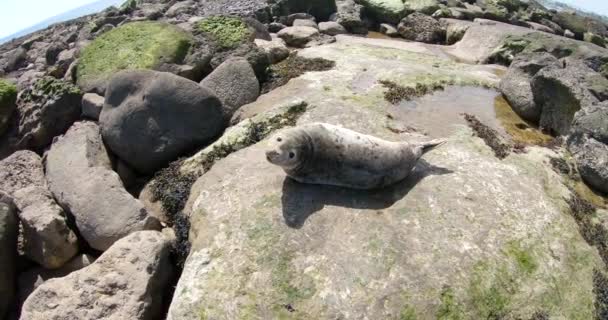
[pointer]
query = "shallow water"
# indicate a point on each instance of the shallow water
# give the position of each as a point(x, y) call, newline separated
point(437, 114)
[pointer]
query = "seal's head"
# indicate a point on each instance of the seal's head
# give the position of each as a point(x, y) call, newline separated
point(286, 150)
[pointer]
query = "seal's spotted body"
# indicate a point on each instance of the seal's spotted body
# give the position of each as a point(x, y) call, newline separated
point(326, 154)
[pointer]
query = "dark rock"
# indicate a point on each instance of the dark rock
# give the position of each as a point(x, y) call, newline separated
point(9, 229)
point(234, 83)
point(257, 57)
point(151, 118)
point(276, 27)
point(80, 175)
point(53, 52)
point(515, 85)
point(47, 109)
point(422, 28)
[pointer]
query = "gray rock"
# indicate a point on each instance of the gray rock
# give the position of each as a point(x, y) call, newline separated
point(20, 170)
point(455, 29)
point(422, 28)
point(92, 104)
point(423, 6)
point(305, 23)
point(9, 229)
point(180, 8)
point(389, 30)
point(14, 59)
point(47, 109)
point(515, 85)
point(561, 92)
point(591, 158)
point(80, 176)
point(64, 60)
point(256, 57)
point(259, 29)
point(331, 28)
point(298, 36)
point(128, 281)
point(31, 279)
point(150, 118)
point(593, 120)
point(569, 34)
point(552, 25)
point(299, 16)
point(276, 49)
point(47, 238)
point(539, 27)
point(234, 83)
point(350, 15)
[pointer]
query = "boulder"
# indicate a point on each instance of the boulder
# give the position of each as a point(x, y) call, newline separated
point(234, 83)
point(391, 11)
point(8, 97)
point(349, 14)
point(539, 27)
point(181, 8)
point(305, 23)
point(591, 158)
point(80, 175)
point(151, 118)
point(53, 51)
point(298, 36)
point(143, 45)
point(259, 29)
point(331, 28)
point(92, 104)
point(515, 85)
point(569, 34)
point(593, 120)
point(9, 228)
point(31, 279)
point(47, 238)
point(15, 59)
point(20, 170)
point(129, 281)
point(299, 16)
point(455, 29)
point(422, 28)
point(276, 49)
point(319, 9)
point(424, 6)
point(446, 243)
point(561, 92)
point(47, 109)
point(276, 27)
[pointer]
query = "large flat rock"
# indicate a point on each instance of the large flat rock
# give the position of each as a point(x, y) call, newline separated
point(466, 236)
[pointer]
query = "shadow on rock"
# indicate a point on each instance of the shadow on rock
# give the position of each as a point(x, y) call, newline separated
point(300, 201)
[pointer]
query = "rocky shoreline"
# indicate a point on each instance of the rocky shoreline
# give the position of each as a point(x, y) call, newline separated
point(131, 149)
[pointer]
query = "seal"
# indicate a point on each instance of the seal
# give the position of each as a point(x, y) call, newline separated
point(322, 153)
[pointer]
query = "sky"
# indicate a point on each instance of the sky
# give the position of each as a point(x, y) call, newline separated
point(16, 15)
point(595, 6)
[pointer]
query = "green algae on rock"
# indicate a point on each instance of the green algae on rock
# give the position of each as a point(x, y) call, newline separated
point(227, 32)
point(293, 67)
point(8, 97)
point(136, 45)
point(386, 10)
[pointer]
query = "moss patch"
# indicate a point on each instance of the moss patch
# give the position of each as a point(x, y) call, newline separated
point(136, 45)
point(293, 67)
point(397, 93)
point(227, 32)
point(450, 308)
point(8, 93)
point(489, 136)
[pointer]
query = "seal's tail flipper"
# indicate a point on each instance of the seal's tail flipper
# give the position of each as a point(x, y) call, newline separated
point(430, 145)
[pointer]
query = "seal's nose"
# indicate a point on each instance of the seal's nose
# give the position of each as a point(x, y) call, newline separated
point(271, 155)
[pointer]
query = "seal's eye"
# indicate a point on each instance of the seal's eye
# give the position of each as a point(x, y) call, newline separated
point(279, 139)
point(291, 155)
